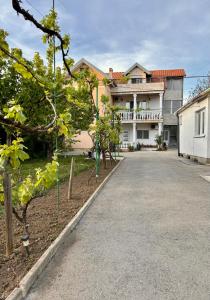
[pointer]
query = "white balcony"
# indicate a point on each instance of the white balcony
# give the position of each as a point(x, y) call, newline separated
point(140, 116)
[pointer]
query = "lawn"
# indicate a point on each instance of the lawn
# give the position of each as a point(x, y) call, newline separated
point(81, 163)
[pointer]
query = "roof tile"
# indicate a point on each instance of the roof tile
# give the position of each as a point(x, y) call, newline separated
point(156, 73)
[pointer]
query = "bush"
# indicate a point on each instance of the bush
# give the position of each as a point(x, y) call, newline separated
point(130, 148)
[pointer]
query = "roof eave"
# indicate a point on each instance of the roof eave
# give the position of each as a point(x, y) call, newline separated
point(84, 61)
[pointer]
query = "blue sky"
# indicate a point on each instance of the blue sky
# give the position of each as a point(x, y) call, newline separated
point(159, 34)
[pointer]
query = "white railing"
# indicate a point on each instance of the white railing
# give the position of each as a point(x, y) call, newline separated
point(144, 115)
point(125, 145)
point(126, 115)
point(148, 115)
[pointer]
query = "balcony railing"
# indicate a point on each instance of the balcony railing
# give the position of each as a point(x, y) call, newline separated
point(144, 115)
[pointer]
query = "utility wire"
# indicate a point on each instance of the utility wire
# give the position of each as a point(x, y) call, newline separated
point(62, 4)
point(34, 8)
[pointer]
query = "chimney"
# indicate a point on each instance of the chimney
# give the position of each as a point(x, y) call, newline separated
point(110, 73)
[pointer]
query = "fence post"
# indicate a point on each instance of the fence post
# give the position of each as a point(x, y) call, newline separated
point(70, 178)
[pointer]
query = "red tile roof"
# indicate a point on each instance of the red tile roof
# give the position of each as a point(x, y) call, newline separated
point(168, 73)
point(156, 73)
point(117, 75)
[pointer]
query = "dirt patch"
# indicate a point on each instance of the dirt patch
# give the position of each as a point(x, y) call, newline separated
point(46, 217)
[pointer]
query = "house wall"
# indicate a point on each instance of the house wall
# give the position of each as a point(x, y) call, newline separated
point(136, 72)
point(154, 100)
point(83, 139)
point(189, 143)
point(174, 91)
point(152, 133)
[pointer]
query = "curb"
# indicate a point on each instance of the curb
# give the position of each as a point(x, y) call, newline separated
point(28, 280)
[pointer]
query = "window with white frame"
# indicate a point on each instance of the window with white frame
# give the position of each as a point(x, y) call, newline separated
point(143, 134)
point(143, 104)
point(125, 136)
point(200, 122)
point(136, 80)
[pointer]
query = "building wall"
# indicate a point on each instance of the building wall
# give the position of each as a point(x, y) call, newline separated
point(136, 72)
point(189, 143)
point(173, 92)
point(83, 140)
point(152, 133)
point(153, 100)
point(174, 89)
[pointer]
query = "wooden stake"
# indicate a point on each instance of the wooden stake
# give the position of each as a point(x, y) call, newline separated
point(70, 178)
point(8, 213)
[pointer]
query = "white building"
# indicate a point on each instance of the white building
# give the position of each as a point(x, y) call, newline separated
point(194, 128)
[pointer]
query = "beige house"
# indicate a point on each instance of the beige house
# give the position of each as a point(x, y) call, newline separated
point(148, 100)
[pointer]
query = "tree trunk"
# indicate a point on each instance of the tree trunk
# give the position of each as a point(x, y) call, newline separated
point(8, 205)
point(8, 213)
point(50, 149)
point(104, 158)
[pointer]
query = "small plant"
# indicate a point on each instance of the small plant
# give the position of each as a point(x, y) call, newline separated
point(138, 147)
point(130, 148)
point(159, 142)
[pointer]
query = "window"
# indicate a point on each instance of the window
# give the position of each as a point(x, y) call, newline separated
point(174, 84)
point(125, 136)
point(200, 122)
point(136, 80)
point(143, 134)
point(165, 135)
point(176, 104)
point(143, 104)
point(167, 107)
point(170, 106)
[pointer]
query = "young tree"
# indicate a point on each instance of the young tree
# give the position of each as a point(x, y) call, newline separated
point(40, 101)
point(108, 129)
point(201, 85)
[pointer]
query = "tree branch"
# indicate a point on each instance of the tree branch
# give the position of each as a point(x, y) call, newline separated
point(19, 62)
point(38, 129)
point(27, 16)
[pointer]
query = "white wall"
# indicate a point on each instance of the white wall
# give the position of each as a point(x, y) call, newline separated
point(153, 100)
point(189, 143)
point(152, 133)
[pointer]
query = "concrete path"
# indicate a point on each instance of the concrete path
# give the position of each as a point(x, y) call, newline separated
point(147, 236)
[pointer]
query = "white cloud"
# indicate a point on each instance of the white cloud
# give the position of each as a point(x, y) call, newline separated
point(147, 54)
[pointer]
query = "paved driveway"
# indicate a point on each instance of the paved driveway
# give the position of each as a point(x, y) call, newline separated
point(147, 236)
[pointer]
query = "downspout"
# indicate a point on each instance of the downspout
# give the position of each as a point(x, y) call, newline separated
point(178, 135)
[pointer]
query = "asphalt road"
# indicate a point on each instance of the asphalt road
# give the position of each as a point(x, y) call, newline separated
point(147, 236)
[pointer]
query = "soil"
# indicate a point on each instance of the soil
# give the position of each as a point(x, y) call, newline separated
point(46, 218)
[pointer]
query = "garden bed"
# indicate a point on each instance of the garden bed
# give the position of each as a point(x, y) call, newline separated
point(47, 217)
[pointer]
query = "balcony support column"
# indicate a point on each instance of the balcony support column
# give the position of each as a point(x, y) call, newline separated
point(134, 106)
point(160, 128)
point(161, 105)
point(134, 134)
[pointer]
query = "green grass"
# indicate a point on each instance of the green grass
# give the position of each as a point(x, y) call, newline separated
point(29, 168)
point(80, 164)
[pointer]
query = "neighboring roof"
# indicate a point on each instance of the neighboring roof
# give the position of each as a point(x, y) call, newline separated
point(137, 65)
point(117, 75)
point(84, 61)
point(197, 98)
point(169, 73)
